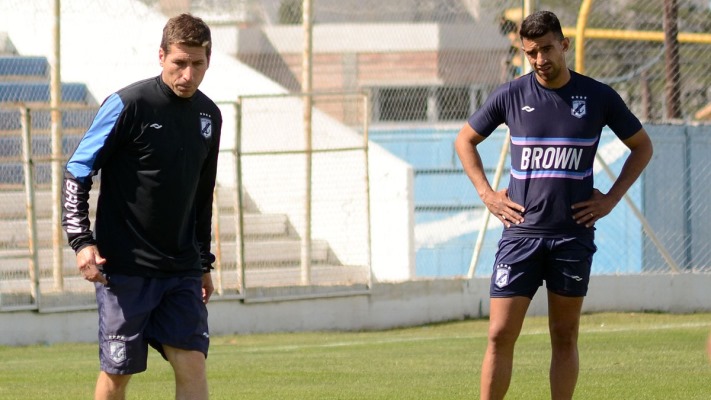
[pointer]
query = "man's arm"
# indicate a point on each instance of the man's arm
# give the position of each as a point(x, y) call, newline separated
point(599, 205)
point(203, 203)
point(75, 219)
point(87, 159)
point(498, 203)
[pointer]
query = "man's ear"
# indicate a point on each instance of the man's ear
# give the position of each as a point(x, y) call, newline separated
point(161, 56)
point(566, 43)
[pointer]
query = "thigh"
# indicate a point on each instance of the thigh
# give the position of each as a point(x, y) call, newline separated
point(518, 269)
point(188, 363)
point(180, 320)
point(124, 312)
point(567, 271)
point(506, 317)
point(190, 373)
point(563, 317)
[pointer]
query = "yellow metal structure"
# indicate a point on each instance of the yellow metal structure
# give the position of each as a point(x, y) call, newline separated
point(580, 28)
point(650, 36)
point(581, 32)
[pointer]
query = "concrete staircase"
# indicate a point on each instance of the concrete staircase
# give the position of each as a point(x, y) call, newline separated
point(272, 258)
point(272, 249)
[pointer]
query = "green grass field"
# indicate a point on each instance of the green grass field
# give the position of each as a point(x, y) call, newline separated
point(623, 356)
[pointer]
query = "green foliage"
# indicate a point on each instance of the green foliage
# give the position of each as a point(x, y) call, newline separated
point(623, 356)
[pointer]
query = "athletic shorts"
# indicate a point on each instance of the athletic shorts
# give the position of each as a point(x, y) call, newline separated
point(523, 263)
point(136, 311)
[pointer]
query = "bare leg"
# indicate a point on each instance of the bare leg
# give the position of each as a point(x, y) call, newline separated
point(564, 323)
point(190, 373)
point(111, 386)
point(505, 320)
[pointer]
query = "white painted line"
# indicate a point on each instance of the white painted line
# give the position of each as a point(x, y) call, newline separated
point(531, 332)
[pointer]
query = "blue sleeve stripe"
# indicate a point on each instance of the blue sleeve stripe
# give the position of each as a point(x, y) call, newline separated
point(82, 162)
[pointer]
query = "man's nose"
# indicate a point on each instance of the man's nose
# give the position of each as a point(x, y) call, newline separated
point(188, 74)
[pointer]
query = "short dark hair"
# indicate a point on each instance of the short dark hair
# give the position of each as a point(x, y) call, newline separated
point(539, 24)
point(188, 30)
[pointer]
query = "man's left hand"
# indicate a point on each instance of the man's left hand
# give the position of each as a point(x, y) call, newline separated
point(207, 287)
point(590, 211)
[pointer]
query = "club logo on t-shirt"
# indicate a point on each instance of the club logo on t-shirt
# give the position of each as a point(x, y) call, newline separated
point(502, 275)
point(117, 350)
point(205, 125)
point(579, 107)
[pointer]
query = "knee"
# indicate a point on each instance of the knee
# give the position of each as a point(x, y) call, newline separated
point(187, 365)
point(502, 337)
point(564, 335)
point(113, 382)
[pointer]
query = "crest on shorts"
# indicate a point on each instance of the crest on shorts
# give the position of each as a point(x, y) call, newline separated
point(205, 127)
point(501, 278)
point(579, 108)
point(117, 351)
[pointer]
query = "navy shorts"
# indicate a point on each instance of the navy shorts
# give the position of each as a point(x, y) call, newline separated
point(523, 263)
point(136, 311)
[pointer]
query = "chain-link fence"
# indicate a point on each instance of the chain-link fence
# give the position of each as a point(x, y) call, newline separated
point(34, 264)
point(426, 66)
point(300, 226)
point(301, 220)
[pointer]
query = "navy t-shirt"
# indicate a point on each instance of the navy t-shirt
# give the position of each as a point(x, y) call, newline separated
point(554, 138)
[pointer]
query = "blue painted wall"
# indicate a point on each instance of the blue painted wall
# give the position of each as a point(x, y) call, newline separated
point(446, 201)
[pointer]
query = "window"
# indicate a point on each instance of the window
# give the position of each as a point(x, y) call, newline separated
point(403, 104)
point(423, 103)
point(453, 103)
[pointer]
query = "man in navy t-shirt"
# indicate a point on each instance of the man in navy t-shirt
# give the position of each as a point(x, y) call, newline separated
point(555, 117)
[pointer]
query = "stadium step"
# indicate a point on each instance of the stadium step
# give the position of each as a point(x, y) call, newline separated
point(38, 92)
point(23, 68)
point(269, 238)
point(12, 205)
point(259, 254)
point(269, 282)
point(78, 118)
point(25, 79)
point(14, 233)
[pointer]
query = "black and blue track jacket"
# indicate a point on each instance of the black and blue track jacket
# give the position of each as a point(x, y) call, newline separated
point(157, 154)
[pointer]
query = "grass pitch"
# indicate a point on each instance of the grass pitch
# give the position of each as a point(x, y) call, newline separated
point(623, 356)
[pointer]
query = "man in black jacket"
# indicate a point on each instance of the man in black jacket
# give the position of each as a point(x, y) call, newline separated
point(156, 144)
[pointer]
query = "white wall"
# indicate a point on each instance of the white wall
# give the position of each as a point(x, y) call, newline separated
point(388, 306)
point(392, 214)
point(276, 184)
